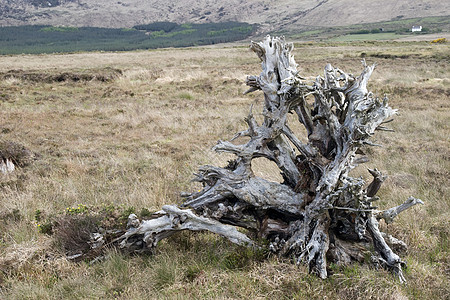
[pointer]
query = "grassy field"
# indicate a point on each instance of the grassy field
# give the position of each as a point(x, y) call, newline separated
point(129, 129)
point(365, 37)
point(397, 28)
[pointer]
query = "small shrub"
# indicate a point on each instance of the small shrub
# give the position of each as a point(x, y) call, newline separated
point(145, 213)
point(45, 228)
point(127, 211)
point(124, 213)
point(362, 31)
point(439, 41)
point(44, 225)
point(185, 96)
point(17, 153)
point(38, 215)
point(192, 272)
point(80, 209)
point(72, 232)
point(112, 216)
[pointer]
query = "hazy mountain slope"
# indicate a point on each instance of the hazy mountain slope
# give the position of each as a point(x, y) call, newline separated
point(273, 15)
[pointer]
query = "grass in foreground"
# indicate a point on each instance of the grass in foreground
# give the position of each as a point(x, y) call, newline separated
point(134, 139)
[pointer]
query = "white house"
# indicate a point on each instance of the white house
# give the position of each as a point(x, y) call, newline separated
point(416, 28)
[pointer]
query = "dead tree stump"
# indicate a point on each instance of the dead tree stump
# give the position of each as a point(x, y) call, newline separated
point(319, 213)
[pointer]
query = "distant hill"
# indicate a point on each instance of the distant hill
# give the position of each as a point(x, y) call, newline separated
point(278, 15)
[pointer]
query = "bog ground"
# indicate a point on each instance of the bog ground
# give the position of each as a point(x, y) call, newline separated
point(128, 130)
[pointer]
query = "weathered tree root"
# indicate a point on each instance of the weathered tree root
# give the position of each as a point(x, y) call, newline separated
point(147, 234)
point(319, 213)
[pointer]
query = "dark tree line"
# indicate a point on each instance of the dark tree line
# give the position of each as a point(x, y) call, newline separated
point(48, 39)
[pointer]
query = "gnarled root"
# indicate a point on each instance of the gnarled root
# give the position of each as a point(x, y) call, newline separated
point(148, 233)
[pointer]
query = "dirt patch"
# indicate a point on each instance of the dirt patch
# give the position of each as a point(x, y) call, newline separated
point(390, 56)
point(422, 92)
point(104, 75)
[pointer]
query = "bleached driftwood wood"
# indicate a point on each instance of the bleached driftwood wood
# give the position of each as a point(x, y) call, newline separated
point(319, 213)
point(171, 220)
point(389, 214)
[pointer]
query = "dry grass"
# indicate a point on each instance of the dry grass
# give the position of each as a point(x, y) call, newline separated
point(136, 139)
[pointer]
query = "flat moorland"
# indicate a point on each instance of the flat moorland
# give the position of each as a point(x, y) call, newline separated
point(126, 131)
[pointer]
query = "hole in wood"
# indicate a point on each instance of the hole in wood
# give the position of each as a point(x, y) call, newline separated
point(264, 168)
